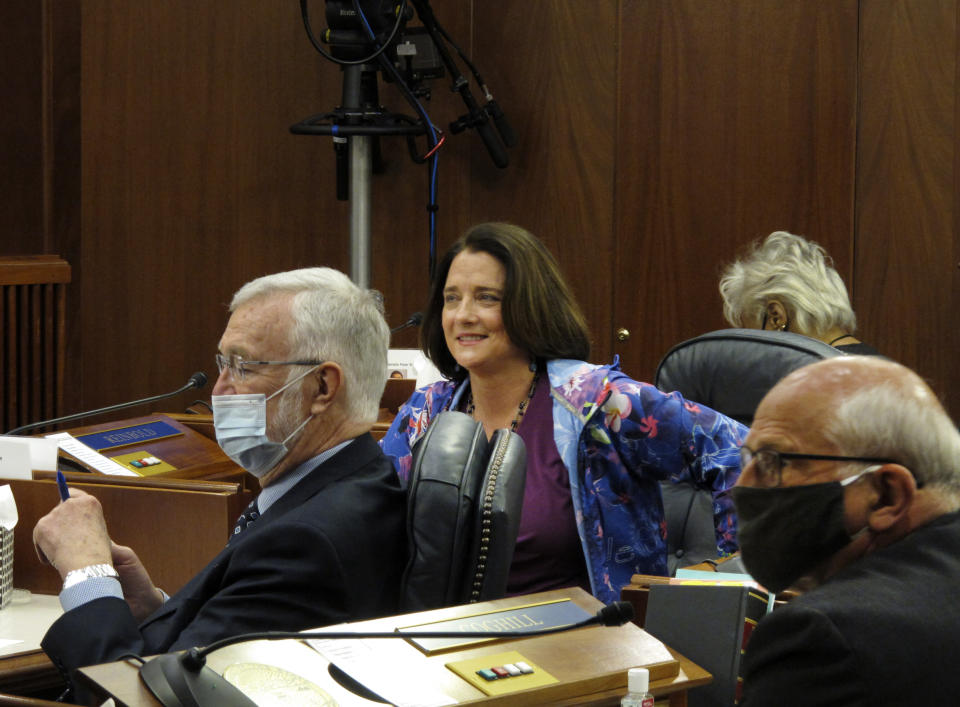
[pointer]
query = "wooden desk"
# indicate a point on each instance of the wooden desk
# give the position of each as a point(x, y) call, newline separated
point(590, 664)
point(24, 667)
point(176, 522)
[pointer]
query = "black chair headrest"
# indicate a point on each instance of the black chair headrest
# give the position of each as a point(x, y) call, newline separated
point(730, 370)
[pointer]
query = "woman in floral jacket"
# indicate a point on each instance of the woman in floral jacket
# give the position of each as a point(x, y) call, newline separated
point(504, 328)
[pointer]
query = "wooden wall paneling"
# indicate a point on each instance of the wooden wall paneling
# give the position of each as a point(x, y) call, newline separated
point(62, 155)
point(906, 255)
point(21, 145)
point(734, 120)
point(39, 138)
point(192, 182)
point(552, 67)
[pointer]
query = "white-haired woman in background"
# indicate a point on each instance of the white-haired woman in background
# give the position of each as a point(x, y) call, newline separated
point(787, 283)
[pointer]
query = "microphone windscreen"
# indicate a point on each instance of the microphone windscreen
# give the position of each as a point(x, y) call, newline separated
point(416, 319)
point(615, 614)
point(198, 379)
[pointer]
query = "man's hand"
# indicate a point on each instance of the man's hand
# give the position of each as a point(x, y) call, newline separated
point(73, 534)
point(138, 589)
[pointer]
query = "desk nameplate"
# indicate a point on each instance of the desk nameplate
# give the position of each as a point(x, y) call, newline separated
point(125, 436)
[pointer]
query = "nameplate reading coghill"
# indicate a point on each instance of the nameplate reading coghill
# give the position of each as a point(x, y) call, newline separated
point(528, 618)
point(122, 436)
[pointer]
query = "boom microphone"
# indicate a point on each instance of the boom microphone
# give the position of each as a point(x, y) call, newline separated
point(415, 320)
point(197, 380)
point(182, 679)
point(500, 120)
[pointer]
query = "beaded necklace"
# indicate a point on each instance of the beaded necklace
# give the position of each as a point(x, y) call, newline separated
point(520, 410)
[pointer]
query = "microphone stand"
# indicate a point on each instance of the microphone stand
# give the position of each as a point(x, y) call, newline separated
point(360, 117)
point(358, 120)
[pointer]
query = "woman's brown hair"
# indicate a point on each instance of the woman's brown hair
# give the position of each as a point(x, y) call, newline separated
point(540, 313)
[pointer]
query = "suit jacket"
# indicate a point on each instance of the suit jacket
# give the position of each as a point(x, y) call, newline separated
point(883, 631)
point(331, 549)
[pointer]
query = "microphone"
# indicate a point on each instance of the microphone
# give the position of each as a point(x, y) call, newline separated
point(490, 140)
point(500, 120)
point(197, 380)
point(415, 320)
point(615, 614)
point(184, 680)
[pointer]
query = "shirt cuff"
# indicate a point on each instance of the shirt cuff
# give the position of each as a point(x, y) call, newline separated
point(88, 590)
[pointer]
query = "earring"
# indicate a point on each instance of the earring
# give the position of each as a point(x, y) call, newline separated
point(533, 365)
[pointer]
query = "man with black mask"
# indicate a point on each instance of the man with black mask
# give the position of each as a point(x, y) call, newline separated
point(850, 489)
point(303, 363)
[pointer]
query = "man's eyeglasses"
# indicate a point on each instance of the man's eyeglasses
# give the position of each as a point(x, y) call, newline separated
point(769, 463)
point(238, 367)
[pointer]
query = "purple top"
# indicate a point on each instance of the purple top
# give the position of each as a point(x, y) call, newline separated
point(548, 554)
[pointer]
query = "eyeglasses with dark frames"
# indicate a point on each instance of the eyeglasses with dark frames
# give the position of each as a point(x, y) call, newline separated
point(770, 462)
point(237, 365)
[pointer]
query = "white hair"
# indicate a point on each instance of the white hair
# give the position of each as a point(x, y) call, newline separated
point(795, 271)
point(899, 418)
point(333, 320)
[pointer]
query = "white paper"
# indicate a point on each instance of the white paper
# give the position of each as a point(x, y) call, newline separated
point(8, 508)
point(382, 673)
point(43, 454)
point(19, 456)
point(104, 465)
point(411, 363)
point(14, 458)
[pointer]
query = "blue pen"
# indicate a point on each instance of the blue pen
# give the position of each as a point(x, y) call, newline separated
point(62, 485)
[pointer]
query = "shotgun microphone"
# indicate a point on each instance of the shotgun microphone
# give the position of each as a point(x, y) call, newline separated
point(415, 320)
point(197, 380)
point(500, 120)
point(184, 680)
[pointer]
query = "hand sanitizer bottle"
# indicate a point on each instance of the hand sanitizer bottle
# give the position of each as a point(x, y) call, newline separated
point(638, 680)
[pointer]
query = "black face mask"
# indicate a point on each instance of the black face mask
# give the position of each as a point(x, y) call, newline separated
point(785, 532)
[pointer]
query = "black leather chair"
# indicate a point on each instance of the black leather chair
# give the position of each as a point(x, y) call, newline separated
point(729, 370)
point(463, 513)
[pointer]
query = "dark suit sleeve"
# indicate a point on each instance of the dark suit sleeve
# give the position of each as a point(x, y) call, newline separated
point(288, 578)
point(796, 656)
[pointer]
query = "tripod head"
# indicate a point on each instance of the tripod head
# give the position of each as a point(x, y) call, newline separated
point(372, 32)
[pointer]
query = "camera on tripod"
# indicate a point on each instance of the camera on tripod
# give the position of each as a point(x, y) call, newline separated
point(410, 49)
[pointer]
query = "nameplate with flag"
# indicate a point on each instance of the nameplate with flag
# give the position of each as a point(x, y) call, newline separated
point(529, 618)
point(125, 436)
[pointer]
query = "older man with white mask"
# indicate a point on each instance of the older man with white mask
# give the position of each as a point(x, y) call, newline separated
point(302, 365)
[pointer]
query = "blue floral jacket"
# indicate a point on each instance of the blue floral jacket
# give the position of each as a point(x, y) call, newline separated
point(618, 439)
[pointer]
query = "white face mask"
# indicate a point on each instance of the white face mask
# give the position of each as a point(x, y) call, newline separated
point(240, 422)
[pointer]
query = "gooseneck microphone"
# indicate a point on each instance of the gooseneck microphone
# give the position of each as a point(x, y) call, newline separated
point(184, 680)
point(416, 319)
point(197, 380)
